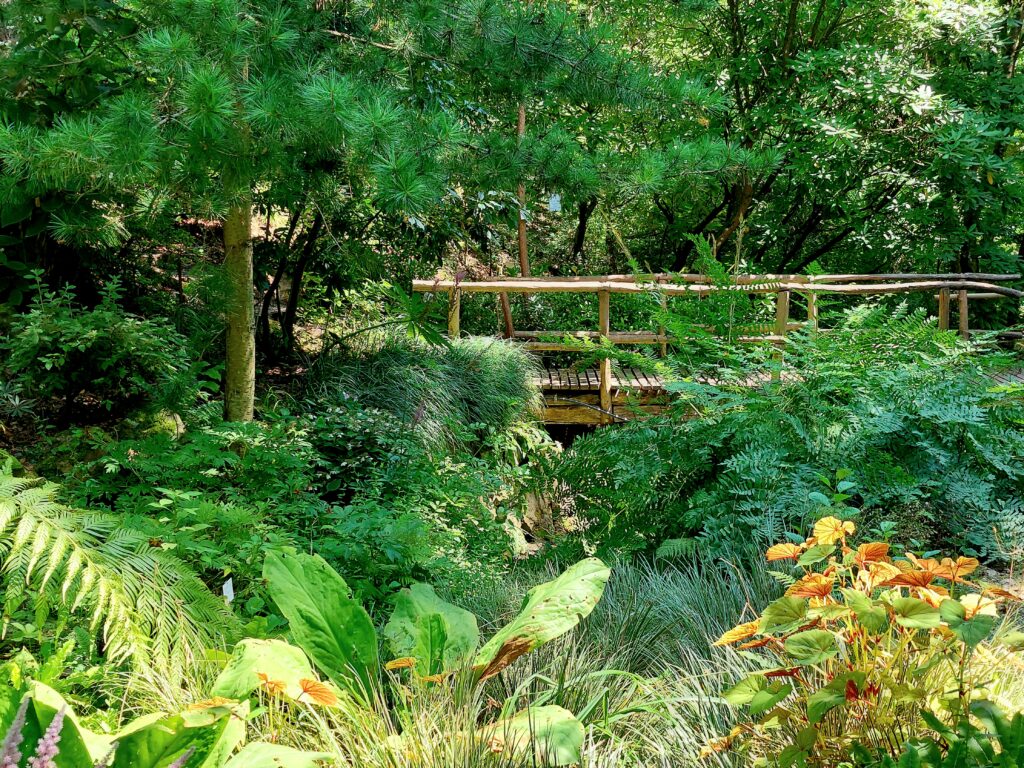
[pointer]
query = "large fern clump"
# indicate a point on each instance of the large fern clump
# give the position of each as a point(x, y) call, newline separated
point(885, 413)
point(145, 603)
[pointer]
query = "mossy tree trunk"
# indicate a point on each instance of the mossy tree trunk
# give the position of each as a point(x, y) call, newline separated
point(240, 366)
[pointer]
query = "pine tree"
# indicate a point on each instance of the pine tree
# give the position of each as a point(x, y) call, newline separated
point(230, 98)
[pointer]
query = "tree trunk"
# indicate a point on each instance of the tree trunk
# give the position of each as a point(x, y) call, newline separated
point(240, 369)
point(292, 308)
point(275, 284)
point(579, 239)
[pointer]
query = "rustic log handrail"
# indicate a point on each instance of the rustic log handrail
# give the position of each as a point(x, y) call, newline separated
point(965, 286)
point(533, 285)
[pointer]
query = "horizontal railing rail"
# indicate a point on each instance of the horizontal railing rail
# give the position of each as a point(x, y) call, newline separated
point(965, 287)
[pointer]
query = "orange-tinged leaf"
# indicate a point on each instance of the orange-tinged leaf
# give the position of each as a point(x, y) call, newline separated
point(438, 678)
point(761, 642)
point(273, 687)
point(783, 552)
point(928, 565)
point(933, 595)
point(877, 574)
point(737, 633)
point(830, 529)
point(317, 692)
point(719, 745)
point(214, 703)
point(872, 552)
point(962, 566)
point(993, 591)
point(812, 585)
point(403, 663)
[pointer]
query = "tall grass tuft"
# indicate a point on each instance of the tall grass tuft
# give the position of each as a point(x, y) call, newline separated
point(449, 394)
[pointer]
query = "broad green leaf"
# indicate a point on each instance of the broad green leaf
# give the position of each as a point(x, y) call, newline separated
point(790, 756)
point(77, 745)
point(816, 554)
point(971, 631)
point(811, 647)
point(555, 735)
point(281, 662)
point(263, 755)
point(783, 615)
point(439, 635)
point(159, 743)
point(757, 693)
point(325, 621)
point(549, 610)
point(915, 614)
point(823, 701)
point(872, 616)
point(744, 691)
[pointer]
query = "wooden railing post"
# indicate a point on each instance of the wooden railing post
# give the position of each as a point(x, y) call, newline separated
point(454, 310)
point(605, 369)
point(661, 327)
point(944, 309)
point(506, 313)
point(781, 326)
point(961, 297)
point(812, 311)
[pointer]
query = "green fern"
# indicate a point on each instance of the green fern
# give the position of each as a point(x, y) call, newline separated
point(147, 604)
point(673, 549)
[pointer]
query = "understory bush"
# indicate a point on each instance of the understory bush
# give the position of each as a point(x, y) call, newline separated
point(57, 351)
point(884, 413)
point(399, 511)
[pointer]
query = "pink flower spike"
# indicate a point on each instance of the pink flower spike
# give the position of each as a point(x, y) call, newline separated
point(49, 745)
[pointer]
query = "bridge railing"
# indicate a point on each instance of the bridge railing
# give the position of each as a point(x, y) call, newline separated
point(964, 287)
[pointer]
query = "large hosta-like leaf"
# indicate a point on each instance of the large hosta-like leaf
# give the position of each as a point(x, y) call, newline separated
point(553, 733)
point(208, 736)
point(439, 635)
point(325, 620)
point(272, 664)
point(549, 610)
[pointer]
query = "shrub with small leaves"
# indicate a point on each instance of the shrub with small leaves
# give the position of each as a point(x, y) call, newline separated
point(58, 350)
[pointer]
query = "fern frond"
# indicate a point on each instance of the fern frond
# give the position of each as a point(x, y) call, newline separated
point(149, 605)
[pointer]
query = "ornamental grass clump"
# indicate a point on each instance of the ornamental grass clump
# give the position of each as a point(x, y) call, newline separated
point(865, 652)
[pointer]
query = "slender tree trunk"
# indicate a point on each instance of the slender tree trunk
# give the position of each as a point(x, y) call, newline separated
point(240, 369)
point(275, 283)
point(586, 209)
point(292, 308)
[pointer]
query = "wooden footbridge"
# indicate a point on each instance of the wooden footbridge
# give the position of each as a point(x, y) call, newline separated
point(605, 394)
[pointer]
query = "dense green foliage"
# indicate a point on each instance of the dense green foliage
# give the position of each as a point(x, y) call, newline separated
point(251, 492)
point(884, 410)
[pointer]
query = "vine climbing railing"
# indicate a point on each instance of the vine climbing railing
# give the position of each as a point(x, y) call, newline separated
point(947, 288)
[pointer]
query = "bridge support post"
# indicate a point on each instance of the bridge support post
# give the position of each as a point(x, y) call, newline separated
point(661, 327)
point(961, 298)
point(605, 369)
